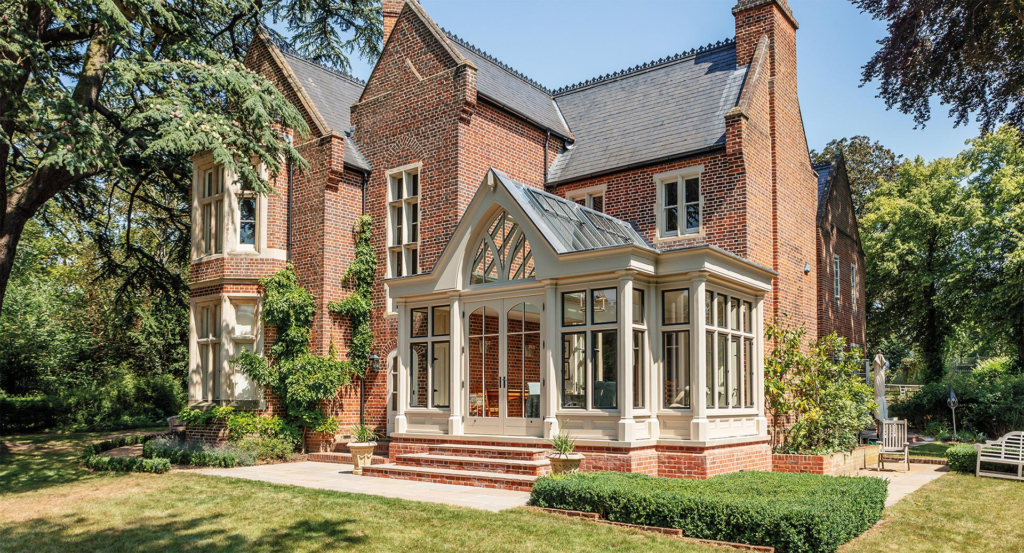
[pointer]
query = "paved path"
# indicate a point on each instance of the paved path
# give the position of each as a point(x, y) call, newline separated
point(337, 477)
point(902, 484)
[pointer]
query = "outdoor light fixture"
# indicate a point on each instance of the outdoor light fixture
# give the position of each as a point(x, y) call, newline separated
point(374, 362)
point(807, 267)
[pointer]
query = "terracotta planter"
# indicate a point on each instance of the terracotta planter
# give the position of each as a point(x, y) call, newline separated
point(362, 455)
point(569, 463)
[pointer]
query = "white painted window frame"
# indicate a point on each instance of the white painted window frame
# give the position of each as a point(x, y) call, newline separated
point(678, 178)
point(854, 296)
point(588, 194)
point(836, 279)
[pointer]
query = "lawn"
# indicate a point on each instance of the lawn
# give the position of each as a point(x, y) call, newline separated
point(934, 450)
point(49, 503)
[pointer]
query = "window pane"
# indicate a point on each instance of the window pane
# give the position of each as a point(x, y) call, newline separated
point(582, 200)
point(676, 306)
point(245, 315)
point(692, 190)
point(419, 322)
point(393, 368)
point(572, 308)
point(638, 368)
point(397, 262)
point(208, 185)
point(204, 322)
point(216, 322)
point(220, 180)
point(247, 221)
point(671, 193)
point(396, 228)
point(677, 369)
point(747, 313)
point(414, 227)
point(396, 187)
point(693, 216)
point(414, 261)
point(606, 362)
point(709, 364)
point(720, 320)
point(709, 318)
point(721, 376)
point(442, 321)
point(218, 225)
point(440, 374)
point(748, 360)
point(672, 220)
point(207, 227)
point(605, 305)
point(638, 306)
point(735, 374)
point(597, 203)
point(574, 367)
point(418, 376)
point(734, 314)
point(414, 184)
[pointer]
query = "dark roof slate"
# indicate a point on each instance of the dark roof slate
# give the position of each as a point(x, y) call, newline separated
point(511, 89)
point(668, 108)
point(332, 93)
point(823, 170)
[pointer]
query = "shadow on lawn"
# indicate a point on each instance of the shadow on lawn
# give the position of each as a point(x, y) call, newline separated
point(176, 534)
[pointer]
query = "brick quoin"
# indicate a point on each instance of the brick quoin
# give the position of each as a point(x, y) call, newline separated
point(421, 106)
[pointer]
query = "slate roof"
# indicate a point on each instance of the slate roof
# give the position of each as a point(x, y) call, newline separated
point(511, 89)
point(823, 170)
point(656, 111)
point(567, 226)
point(333, 93)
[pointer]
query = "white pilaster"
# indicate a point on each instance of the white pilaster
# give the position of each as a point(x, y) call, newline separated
point(457, 378)
point(698, 354)
point(627, 426)
point(653, 379)
point(758, 319)
point(552, 344)
point(401, 422)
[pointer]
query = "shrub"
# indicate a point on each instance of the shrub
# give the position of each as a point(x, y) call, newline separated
point(199, 417)
point(267, 448)
point(197, 454)
point(791, 512)
point(990, 403)
point(128, 464)
point(962, 458)
point(247, 423)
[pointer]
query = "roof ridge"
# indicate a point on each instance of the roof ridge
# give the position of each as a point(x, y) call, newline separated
point(288, 50)
point(644, 66)
point(521, 76)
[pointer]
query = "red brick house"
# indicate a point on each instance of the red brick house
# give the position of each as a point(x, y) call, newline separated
point(601, 257)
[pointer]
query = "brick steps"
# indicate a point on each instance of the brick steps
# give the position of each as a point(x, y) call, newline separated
point(516, 482)
point(537, 467)
point(484, 466)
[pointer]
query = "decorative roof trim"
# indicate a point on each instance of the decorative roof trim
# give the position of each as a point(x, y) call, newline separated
point(288, 50)
point(645, 66)
point(517, 74)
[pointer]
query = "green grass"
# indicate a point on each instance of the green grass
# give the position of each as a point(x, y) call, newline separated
point(49, 503)
point(934, 450)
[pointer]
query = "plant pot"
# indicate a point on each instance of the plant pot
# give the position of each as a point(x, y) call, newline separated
point(362, 455)
point(562, 464)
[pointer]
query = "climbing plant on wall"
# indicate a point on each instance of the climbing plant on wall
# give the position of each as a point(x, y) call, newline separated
point(300, 379)
point(357, 306)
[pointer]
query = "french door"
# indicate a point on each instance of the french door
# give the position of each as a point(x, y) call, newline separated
point(503, 367)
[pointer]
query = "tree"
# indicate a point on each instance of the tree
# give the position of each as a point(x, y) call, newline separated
point(995, 163)
point(914, 240)
point(969, 53)
point(115, 96)
point(867, 162)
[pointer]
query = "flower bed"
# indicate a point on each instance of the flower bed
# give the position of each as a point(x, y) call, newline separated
point(837, 464)
point(197, 454)
point(790, 512)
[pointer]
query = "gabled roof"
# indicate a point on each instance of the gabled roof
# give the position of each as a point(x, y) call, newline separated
point(512, 90)
point(567, 226)
point(332, 93)
point(826, 177)
point(656, 111)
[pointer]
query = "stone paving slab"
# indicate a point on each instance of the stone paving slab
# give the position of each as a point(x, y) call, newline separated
point(339, 477)
point(902, 484)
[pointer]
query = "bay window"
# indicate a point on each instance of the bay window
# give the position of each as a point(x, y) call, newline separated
point(599, 308)
point(211, 211)
point(208, 327)
point(676, 340)
point(729, 342)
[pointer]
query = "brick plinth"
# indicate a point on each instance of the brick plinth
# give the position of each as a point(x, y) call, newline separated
point(839, 464)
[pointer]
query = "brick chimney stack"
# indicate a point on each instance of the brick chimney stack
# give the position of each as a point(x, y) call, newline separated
point(392, 8)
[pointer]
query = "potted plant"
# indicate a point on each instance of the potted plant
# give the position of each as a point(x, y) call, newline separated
point(562, 457)
point(362, 448)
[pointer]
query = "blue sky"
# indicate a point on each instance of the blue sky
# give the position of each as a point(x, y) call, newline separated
point(560, 42)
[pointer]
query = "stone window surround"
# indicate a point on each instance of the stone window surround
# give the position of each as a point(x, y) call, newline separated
point(391, 310)
point(678, 175)
point(230, 227)
point(227, 343)
point(588, 194)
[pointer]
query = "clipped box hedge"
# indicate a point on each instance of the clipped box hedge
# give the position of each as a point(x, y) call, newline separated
point(787, 511)
point(962, 458)
point(92, 460)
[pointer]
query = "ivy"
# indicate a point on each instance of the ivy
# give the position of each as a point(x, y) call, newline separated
point(358, 305)
point(300, 379)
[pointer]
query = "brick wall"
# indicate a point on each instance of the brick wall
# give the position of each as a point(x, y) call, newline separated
point(838, 235)
point(839, 464)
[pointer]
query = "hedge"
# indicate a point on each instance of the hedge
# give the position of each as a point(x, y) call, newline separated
point(91, 456)
point(790, 512)
point(962, 458)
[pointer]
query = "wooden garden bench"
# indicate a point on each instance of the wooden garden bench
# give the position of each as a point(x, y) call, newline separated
point(1008, 450)
point(894, 442)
